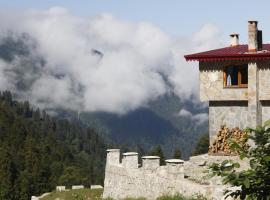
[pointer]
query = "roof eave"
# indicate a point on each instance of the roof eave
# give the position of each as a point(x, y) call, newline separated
point(228, 57)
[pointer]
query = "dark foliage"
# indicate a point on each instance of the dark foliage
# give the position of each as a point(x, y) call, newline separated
point(202, 145)
point(38, 152)
point(177, 154)
point(157, 151)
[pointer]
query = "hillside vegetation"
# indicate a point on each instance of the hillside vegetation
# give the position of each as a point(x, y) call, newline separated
point(38, 152)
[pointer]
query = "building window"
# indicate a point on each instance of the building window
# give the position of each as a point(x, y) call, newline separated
point(236, 76)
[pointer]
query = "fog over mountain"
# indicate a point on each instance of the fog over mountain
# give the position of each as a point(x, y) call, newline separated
point(99, 63)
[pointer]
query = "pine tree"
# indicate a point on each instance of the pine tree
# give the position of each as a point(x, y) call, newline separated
point(157, 151)
point(202, 145)
point(177, 153)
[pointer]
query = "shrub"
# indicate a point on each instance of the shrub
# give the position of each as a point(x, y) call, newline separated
point(255, 181)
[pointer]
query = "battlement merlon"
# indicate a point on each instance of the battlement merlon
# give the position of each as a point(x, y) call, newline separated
point(175, 167)
point(130, 160)
point(150, 162)
point(113, 157)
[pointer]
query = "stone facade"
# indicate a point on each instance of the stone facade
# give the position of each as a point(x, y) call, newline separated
point(265, 110)
point(123, 180)
point(212, 85)
point(264, 80)
point(229, 113)
point(235, 107)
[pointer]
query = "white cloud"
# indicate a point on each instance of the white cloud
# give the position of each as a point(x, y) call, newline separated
point(198, 118)
point(184, 113)
point(136, 57)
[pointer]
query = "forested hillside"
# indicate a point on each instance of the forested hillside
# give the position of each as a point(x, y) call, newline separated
point(159, 123)
point(38, 152)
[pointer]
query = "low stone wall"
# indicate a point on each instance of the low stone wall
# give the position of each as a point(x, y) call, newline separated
point(76, 187)
point(60, 188)
point(94, 187)
point(126, 179)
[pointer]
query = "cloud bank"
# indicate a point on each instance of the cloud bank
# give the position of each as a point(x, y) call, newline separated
point(100, 63)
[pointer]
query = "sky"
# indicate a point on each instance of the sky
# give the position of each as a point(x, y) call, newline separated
point(175, 17)
point(141, 47)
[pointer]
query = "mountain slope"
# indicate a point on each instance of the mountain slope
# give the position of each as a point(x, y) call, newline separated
point(158, 123)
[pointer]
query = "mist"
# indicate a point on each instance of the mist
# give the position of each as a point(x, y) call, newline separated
point(55, 59)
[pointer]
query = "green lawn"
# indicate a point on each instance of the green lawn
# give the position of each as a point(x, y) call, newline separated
point(80, 194)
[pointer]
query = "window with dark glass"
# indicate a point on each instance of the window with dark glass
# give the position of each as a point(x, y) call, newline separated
point(236, 76)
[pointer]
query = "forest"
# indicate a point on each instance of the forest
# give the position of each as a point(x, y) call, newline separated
point(38, 152)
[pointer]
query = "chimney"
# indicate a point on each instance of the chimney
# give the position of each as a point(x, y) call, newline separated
point(259, 39)
point(252, 36)
point(234, 39)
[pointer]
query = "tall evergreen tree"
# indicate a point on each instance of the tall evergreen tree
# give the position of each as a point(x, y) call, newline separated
point(202, 145)
point(177, 153)
point(157, 151)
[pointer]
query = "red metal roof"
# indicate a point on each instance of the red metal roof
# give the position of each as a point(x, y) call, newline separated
point(239, 52)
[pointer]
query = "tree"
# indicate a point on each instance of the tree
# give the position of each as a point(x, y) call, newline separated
point(177, 153)
point(157, 151)
point(255, 181)
point(202, 145)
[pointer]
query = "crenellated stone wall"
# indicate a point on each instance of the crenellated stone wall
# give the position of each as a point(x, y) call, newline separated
point(126, 178)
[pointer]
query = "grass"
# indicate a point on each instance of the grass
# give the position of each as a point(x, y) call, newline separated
point(181, 197)
point(80, 194)
point(87, 194)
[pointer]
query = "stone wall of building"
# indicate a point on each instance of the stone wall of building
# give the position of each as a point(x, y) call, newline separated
point(265, 111)
point(212, 83)
point(264, 80)
point(128, 179)
point(235, 107)
point(230, 113)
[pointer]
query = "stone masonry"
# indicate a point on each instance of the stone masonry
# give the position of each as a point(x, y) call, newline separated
point(126, 178)
point(235, 107)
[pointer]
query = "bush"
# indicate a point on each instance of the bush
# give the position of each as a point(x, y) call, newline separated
point(255, 181)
